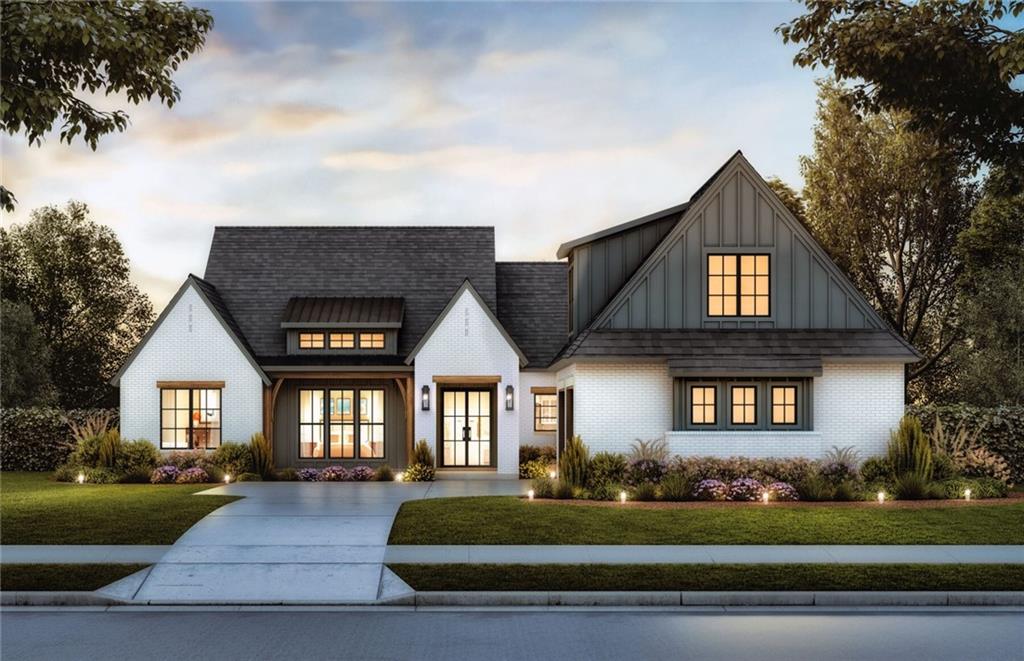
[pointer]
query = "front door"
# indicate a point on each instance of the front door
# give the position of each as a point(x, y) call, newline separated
point(467, 428)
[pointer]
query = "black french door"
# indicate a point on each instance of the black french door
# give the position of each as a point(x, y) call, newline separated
point(468, 429)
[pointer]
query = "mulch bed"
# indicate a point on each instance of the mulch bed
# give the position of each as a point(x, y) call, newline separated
point(1014, 498)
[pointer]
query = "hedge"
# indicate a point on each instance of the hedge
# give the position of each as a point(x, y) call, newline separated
point(1002, 428)
point(39, 439)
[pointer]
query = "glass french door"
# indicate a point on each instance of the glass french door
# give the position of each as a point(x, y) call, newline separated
point(466, 418)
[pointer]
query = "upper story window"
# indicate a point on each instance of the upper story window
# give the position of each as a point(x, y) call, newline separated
point(371, 340)
point(311, 340)
point(343, 340)
point(738, 286)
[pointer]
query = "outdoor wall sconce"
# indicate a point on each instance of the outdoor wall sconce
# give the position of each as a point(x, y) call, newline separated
point(425, 399)
point(509, 397)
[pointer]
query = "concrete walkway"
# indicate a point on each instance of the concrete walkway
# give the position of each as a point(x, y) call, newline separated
point(712, 554)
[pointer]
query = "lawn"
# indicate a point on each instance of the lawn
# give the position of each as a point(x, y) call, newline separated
point(62, 577)
point(711, 577)
point(36, 510)
point(509, 520)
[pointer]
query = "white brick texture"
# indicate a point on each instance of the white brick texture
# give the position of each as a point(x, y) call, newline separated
point(618, 403)
point(467, 343)
point(191, 345)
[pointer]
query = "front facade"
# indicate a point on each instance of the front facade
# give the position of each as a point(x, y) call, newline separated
point(719, 325)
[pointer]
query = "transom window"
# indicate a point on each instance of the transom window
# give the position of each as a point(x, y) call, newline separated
point(311, 340)
point(738, 286)
point(702, 405)
point(190, 418)
point(348, 418)
point(545, 412)
point(371, 340)
point(744, 405)
point(343, 340)
point(783, 405)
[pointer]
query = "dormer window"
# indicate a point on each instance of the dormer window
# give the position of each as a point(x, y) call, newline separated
point(311, 340)
point(343, 340)
point(371, 340)
point(738, 286)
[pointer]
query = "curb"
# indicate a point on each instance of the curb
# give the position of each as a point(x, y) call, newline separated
point(57, 599)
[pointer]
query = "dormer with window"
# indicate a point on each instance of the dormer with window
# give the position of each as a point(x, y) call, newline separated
point(344, 325)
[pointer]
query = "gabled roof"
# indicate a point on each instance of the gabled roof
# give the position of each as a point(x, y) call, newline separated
point(209, 294)
point(466, 286)
point(258, 270)
point(566, 248)
point(343, 312)
point(532, 305)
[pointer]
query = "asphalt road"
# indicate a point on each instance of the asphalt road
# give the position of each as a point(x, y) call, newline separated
point(495, 635)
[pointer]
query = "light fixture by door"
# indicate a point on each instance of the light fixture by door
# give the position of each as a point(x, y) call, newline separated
point(509, 397)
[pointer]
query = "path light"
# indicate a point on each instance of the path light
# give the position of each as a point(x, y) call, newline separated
point(227, 478)
point(552, 474)
point(622, 496)
point(967, 494)
point(81, 478)
point(881, 496)
point(529, 494)
point(399, 477)
point(764, 497)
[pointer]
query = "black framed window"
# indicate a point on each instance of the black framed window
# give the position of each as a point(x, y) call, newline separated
point(311, 340)
point(739, 286)
point(343, 340)
point(190, 418)
point(744, 405)
point(341, 423)
point(783, 405)
point(371, 423)
point(703, 405)
point(311, 423)
point(334, 422)
point(371, 340)
point(545, 412)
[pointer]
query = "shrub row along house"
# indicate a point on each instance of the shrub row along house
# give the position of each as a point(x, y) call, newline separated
point(719, 325)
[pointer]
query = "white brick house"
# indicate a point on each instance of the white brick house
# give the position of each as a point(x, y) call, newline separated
point(719, 325)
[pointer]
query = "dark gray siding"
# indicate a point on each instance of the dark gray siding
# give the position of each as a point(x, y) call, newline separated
point(286, 425)
point(737, 214)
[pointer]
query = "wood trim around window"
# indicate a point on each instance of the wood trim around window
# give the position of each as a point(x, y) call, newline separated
point(468, 380)
point(190, 384)
point(543, 390)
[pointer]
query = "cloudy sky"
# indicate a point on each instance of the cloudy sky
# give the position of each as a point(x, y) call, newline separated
point(548, 121)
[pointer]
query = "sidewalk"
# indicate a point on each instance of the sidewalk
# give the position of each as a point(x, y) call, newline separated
point(96, 554)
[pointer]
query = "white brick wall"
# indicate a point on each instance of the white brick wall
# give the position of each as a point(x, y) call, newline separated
point(467, 343)
point(191, 345)
point(527, 380)
point(854, 404)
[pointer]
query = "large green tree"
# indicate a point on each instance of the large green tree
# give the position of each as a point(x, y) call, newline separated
point(888, 204)
point(952, 66)
point(24, 358)
point(52, 52)
point(74, 276)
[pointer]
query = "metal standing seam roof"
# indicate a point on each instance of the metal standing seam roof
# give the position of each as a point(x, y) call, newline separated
point(344, 312)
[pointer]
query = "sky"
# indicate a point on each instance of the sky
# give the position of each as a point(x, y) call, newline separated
point(548, 121)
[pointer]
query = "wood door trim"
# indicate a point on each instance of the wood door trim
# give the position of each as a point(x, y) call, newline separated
point(543, 390)
point(467, 380)
point(189, 384)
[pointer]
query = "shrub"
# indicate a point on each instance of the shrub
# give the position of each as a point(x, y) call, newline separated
point(675, 487)
point(286, 475)
point(839, 465)
point(66, 473)
point(542, 487)
point(308, 475)
point(101, 475)
point(543, 453)
point(213, 471)
point(194, 475)
point(419, 473)
point(645, 491)
point(137, 457)
point(913, 486)
point(42, 438)
point(99, 451)
point(334, 474)
point(574, 462)
point(233, 458)
point(782, 491)
point(942, 466)
point(562, 490)
point(422, 454)
point(814, 488)
point(979, 461)
point(249, 477)
point(653, 450)
point(845, 491)
point(876, 469)
point(361, 474)
point(183, 459)
point(262, 455)
point(710, 490)
point(983, 487)
point(532, 469)
point(164, 474)
point(607, 491)
point(745, 488)
point(645, 471)
point(791, 470)
point(1001, 429)
point(607, 467)
point(384, 474)
point(910, 451)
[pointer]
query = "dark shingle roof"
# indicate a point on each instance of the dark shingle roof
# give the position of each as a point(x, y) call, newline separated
point(711, 350)
point(343, 312)
point(217, 302)
point(257, 270)
point(532, 304)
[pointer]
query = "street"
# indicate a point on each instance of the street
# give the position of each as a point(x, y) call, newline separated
point(294, 633)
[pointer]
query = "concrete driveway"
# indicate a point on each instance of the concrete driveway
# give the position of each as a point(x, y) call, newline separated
point(294, 543)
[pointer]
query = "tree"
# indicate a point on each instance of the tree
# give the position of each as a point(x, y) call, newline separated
point(789, 197)
point(888, 204)
point(24, 359)
point(949, 64)
point(52, 51)
point(73, 274)
point(992, 297)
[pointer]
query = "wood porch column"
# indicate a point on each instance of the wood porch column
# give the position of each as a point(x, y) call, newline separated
point(405, 388)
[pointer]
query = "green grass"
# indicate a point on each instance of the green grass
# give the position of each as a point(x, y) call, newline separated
point(711, 577)
point(36, 510)
point(508, 520)
point(62, 577)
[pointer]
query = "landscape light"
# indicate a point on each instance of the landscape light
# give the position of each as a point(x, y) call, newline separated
point(529, 494)
point(967, 494)
point(764, 497)
point(552, 474)
point(227, 478)
point(399, 477)
point(881, 496)
point(622, 496)
point(81, 478)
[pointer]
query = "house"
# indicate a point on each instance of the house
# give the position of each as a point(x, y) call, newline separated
point(719, 325)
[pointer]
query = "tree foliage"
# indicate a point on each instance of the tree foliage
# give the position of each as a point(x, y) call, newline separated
point(74, 276)
point(54, 54)
point(789, 197)
point(888, 204)
point(24, 359)
point(949, 64)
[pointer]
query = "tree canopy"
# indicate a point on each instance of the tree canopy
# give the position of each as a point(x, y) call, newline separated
point(73, 275)
point(24, 358)
point(53, 53)
point(789, 197)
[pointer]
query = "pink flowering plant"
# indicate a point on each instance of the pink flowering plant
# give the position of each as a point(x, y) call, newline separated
point(710, 490)
point(782, 491)
point(361, 474)
point(334, 474)
point(194, 475)
point(164, 475)
point(308, 475)
point(745, 488)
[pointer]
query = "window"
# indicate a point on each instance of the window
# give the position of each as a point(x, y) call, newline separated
point(702, 405)
point(783, 405)
point(371, 340)
point(343, 340)
point(189, 418)
point(744, 405)
point(371, 424)
point(311, 424)
point(311, 340)
point(341, 421)
point(545, 412)
point(738, 285)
